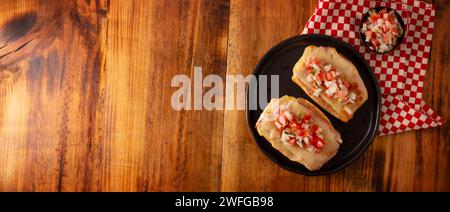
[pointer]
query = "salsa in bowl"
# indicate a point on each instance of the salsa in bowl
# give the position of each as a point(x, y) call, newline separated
point(382, 30)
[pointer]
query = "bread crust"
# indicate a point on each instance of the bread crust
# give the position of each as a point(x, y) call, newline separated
point(312, 161)
point(348, 72)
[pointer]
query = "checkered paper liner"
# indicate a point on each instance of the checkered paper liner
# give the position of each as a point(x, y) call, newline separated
point(401, 73)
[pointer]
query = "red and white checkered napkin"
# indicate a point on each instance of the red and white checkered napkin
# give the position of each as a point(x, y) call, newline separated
point(401, 73)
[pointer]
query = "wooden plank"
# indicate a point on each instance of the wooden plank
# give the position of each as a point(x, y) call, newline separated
point(69, 123)
point(433, 160)
point(50, 89)
point(255, 26)
point(149, 145)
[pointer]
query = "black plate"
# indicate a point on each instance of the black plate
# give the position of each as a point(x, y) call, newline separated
point(357, 135)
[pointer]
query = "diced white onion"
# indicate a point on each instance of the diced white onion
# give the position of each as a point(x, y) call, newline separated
point(380, 22)
point(384, 47)
point(317, 92)
point(310, 78)
point(278, 124)
point(320, 130)
point(327, 68)
point(288, 115)
point(282, 121)
point(331, 90)
point(315, 67)
point(306, 126)
point(284, 137)
point(329, 84)
point(364, 27)
point(388, 23)
point(352, 96)
point(335, 74)
point(306, 140)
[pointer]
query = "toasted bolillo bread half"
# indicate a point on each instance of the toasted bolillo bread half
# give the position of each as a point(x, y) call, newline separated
point(300, 131)
point(331, 81)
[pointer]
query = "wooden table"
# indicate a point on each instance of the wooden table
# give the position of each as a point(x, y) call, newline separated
point(85, 100)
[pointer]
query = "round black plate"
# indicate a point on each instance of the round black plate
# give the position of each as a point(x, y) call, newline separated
point(357, 134)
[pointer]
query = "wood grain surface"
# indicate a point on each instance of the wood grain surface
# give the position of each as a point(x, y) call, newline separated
point(85, 100)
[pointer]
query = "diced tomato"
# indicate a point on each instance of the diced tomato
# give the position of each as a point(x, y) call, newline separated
point(303, 133)
point(292, 141)
point(385, 28)
point(330, 76)
point(382, 12)
point(369, 34)
point(314, 140)
point(374, 42)
point(308, 67)
point(306, 118)
point(320, 145)
point(314, 60)
point(347, 85)
point(294, 125)
point(374, 17)
point(317, 142)
point(320, 76)
point(333, 69)
point(315, 127)
point(387, 38)
point(341, 94)
point(394, 30)
point(392, 17)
